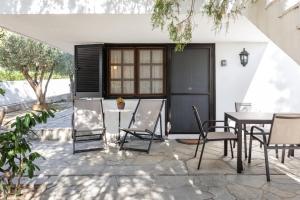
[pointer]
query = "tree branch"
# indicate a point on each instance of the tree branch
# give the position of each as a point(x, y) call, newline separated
point(48, 80)
point(31, 82)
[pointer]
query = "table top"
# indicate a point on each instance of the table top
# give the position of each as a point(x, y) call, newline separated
point(119, 110)
point(253, 117)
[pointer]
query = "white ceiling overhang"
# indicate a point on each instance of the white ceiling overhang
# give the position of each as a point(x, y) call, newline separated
point(65, 23)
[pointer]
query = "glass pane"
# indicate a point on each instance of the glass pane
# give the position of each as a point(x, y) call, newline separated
point(128, 56)
point(115, 87)
point(157, 71)
point(144, 71)
point(144, 56)
point(128, 72)
point(157, 56)
point(115, 56)
point(115, 72)
point(157, 87)
point(144, 87)
point(128, 87)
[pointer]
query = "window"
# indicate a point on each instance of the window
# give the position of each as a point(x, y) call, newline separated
point(136, 72)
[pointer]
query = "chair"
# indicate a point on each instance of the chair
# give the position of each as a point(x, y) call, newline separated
point(144, 122)
point(88, 122)
point(285, 130)
point(208, 135)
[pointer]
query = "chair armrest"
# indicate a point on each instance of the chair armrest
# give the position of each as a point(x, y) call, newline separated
point(229, 127)
point(263, 133)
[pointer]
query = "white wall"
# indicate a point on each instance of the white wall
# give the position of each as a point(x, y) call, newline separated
point(21, 92)
point(271, 80)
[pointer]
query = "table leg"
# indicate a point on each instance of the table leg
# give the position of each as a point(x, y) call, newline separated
point(225, 141)
point(239, 148)
point(119, 127)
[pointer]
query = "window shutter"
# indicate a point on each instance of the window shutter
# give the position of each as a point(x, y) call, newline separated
point(88, 70)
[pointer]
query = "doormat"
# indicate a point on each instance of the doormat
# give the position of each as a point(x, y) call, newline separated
point(188, 141)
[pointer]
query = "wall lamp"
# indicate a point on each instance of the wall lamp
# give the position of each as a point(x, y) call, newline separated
point(244, 57)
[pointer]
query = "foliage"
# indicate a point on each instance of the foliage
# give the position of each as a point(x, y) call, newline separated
point(120, 100)
point(17, 158)
point(2, 91)
point(35, 60)
point(13, 75)
point(168, 13)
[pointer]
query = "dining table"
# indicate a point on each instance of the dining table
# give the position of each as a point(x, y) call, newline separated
point(241, 119)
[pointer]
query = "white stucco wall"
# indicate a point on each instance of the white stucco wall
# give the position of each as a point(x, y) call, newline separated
point(17, 92)
point(270, 81)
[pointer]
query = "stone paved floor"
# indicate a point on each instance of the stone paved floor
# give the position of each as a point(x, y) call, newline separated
point(168, 172)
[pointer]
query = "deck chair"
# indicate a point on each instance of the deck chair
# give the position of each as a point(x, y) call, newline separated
point(88, 123)
point(284, 134)
point(144, 122)
point(208, 134)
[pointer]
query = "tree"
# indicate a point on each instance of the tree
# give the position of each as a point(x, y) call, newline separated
point(169, 13)
point(34, 59)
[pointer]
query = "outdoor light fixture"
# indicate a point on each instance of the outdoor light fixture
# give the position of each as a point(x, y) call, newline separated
point(244, 57)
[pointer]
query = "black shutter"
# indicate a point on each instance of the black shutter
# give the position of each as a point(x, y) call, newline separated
point(88, 70)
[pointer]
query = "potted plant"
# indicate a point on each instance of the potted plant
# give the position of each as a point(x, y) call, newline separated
point(120, 103)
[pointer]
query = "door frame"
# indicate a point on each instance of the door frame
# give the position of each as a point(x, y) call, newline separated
point(212, 80)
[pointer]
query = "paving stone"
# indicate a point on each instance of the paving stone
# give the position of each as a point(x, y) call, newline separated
point(242, 192)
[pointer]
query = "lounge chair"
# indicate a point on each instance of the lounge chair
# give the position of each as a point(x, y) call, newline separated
point(144, 122)
point(88, 123)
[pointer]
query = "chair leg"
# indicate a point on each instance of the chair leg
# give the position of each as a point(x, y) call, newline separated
point(232, 156)
point(267, 163)
point(197, 146)
point(149, 147)
point(200, 159)
point(245, 145)
point(123, 141)
point(74, 140)
point(250, 149)
point(283, 154)
point(276, 151)
point(234, 143)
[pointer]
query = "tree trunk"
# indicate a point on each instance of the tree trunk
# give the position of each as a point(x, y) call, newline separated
point(41, 98)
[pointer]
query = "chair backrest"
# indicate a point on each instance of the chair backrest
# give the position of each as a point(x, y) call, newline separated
point(88, 114)
point(285, 129)
point(243, 107)
point(198, 120)
point(147, 114)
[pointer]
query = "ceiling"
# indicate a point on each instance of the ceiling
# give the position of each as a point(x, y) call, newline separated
point(66, 30)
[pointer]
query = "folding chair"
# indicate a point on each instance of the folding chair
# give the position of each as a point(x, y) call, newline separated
point(144, 122)
point(88, 123)
point(284, 134)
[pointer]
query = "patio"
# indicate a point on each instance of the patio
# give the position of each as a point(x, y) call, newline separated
point(169, 172)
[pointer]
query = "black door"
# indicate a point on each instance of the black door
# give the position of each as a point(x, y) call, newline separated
point(191, 83)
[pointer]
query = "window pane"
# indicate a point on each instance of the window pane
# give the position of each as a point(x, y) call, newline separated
point(128, 56)
point(157, 87)
point(128, 87)
point(157, 71)
point(128, 72)
point(144, 56)
point(115, 87)
point(115, 56)
point(157, 56)
point(144, 71)
point(145, 87)
point(115, 72)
